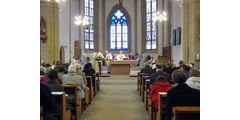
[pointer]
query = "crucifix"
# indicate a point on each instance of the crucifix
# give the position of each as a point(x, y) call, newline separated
point(120, 3)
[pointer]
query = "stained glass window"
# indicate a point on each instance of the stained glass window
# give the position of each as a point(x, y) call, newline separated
point(151, 25)
point(119, 31)
point(89, 29)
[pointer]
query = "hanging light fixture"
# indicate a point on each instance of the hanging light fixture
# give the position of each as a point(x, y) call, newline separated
point(161, 16)
point(79, 20)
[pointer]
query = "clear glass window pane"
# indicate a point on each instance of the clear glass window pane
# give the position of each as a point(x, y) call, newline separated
point(119, 39)
point(91, 36)
point(154, 8)
point(86, 44)
point(91, 20)
point(154, 35)
point(91, 45)
point(148, 45)
point(149, 26)
point(86, 11)
point(91, 12)
point(91, 3)
point(91, 29)
point(112, 29)
point(119, 45)
point(154, 44)
point(86, 3)
point(86, 36)
point(119, 30)
point(125, 29)
point(148, 7)
point(148, 36)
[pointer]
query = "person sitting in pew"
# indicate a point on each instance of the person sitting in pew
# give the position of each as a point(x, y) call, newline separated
point(161, 85)
point(44, 78)
point(61, 71)
point(147, 68)
point(159, 71)
point(194, 80)
point(73, 78)
point(52, 82)
point(89, 71)
point(181, 95)
point(48, 102)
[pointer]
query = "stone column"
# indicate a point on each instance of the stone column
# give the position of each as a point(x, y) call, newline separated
point(50, 48)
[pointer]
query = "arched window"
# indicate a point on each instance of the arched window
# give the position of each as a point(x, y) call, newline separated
point(89, 29)
point(151, 29)
point(118, 31)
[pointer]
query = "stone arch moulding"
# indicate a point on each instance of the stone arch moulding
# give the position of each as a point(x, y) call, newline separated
point(112, 11)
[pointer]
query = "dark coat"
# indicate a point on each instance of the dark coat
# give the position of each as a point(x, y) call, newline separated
point(181, 95)
point(54, 86)
point(146, 69)
point(153, 77)
point(47, 100)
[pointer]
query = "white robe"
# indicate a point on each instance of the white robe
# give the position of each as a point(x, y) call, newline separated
point(120, 56)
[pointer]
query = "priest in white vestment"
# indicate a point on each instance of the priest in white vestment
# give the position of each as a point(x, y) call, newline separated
point(121, 56)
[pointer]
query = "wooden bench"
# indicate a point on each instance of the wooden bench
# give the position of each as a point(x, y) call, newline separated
point(64, 114)
point(90, 85)
point(186, 113)
point(41, 113)
point(98, 81)
point(140, 82)
point(147, 93)
point(143, 89)
point(159, 114)
point(78, 106)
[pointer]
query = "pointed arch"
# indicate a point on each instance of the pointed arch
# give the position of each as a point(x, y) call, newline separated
point(127, 23)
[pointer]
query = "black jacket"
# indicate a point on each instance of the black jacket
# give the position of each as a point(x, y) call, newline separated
point(47, 100)
point(146, 69)
point(54, 86)
point(181, 95)
point(153, 77)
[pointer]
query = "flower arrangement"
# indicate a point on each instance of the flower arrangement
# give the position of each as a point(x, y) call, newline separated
point(98, 58)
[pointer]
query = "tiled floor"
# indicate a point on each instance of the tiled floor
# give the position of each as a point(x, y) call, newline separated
point(118, 99)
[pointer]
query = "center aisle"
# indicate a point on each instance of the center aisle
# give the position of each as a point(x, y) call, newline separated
point(117, 99)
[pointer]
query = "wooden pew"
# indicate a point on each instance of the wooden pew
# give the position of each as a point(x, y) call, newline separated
point(73, 90)
point(41, 113)
point(89, 78)
point(98, 81)
point(186, 113)
point(147, 93)
point(143, 89)
point(95, 84)
point(159, 115)
point(64, 114)
point(141, 82)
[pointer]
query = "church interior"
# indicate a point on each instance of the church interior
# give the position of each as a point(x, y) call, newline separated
point(120, 59)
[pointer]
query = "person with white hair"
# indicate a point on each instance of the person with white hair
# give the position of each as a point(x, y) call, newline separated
point(73, 78)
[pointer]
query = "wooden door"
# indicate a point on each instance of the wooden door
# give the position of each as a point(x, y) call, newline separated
point(77, 48)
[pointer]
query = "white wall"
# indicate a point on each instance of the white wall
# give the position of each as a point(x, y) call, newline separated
point(67, 29)
point(177, 21)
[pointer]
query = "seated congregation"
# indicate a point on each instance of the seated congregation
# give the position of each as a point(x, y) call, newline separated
point(167, 88)
point(66, 90)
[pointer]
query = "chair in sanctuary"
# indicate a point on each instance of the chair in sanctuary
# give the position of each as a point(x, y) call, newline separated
point(186, 113)
point(72, 90)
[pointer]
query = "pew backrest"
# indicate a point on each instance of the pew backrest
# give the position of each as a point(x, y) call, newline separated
point(186, 113)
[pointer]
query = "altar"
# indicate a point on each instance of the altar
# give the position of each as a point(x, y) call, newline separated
point(121, 67)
